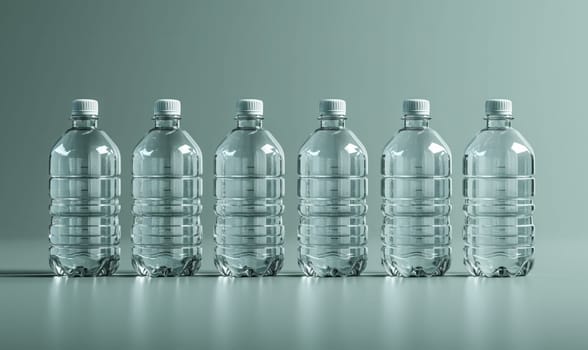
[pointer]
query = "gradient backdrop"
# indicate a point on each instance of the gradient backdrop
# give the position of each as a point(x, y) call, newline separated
point(208, 54)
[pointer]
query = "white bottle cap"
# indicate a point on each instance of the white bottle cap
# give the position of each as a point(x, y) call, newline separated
point(249, 106)
point(498, 107)
point(167, 107)
point(83, 106)
point(332, 106)
point(416, 106)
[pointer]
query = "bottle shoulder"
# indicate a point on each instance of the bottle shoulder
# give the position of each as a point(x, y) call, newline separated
point(245, 142)
point(82, 142)
point(499, 141)
point(160, 142)
point(499, 152)
point(85, 152)
point(333, 143)
point(249, 152)
point(415, 143)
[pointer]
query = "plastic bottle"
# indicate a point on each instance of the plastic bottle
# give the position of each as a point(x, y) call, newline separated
point(499, 186)
point(416, 191)
point(249, 189)
point(84, 187)
point(167, 187)
point(332, 191)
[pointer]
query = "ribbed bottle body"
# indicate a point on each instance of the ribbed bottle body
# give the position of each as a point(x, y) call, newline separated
point(167, 191)
point(249, 183)
point(416, 193)
point(84, 187)
point(499, 186)
point(332, 191)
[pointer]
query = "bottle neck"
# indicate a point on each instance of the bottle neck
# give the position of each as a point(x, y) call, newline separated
point(86, 122)
point(416, 121)
point(249, 122)
point(332, 122)
point(498, 121)
point(167, 123)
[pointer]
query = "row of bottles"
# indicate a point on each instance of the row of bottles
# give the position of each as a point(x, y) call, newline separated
point(249, 170)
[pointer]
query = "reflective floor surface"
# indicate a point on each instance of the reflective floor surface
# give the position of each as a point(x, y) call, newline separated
point(293, 312)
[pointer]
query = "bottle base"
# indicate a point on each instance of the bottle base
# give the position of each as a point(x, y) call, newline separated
point(416, 264)
point(320, 262)
point(84, 262)
point(249, 262)
point(166, 262)
point(512, 262)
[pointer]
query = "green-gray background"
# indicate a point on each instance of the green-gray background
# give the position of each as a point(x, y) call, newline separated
point(126, 54)
point(208, 54)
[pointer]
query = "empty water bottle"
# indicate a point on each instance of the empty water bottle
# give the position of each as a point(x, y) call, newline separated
point(332, 191)
point(84, 189)
point(499, 186)
point(167, 187)
point(416, 191)
point(249, 189)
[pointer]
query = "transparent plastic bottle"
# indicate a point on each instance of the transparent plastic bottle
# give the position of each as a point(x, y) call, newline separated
point(416, 191)
point(499, 186)
point(332, 191)
point(84, 186)
point(167, 187)
point(249, 188)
